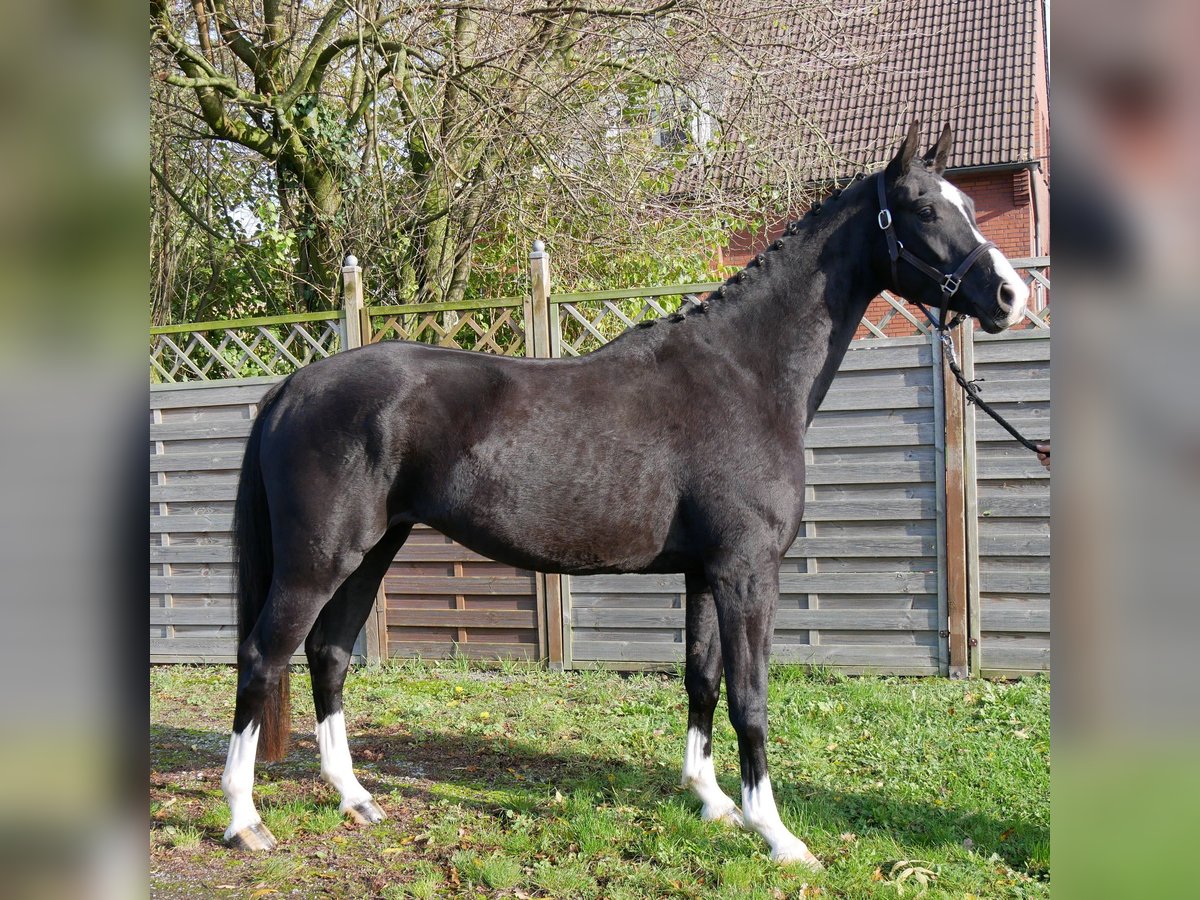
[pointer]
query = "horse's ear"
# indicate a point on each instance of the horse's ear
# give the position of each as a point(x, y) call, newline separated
point(937, 155)
point(899, 164)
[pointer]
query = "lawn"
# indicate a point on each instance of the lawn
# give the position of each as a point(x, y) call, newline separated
point(516, 782)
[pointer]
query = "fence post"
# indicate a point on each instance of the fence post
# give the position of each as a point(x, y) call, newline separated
point(538, 316)
point(352, 303)
point(538, 326)
point(956, 537)
point(358, 332)
point(971, 507)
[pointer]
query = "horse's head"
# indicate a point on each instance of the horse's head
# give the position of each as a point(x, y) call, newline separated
point(933, 224)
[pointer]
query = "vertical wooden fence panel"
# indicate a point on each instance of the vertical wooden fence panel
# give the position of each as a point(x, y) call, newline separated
point(870, 584)
point(859, 588)
point(440, 598)
point(1011, 584)
point(197, 433)
point(443, 599)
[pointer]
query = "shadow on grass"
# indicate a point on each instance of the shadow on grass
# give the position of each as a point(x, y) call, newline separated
point(524, 768)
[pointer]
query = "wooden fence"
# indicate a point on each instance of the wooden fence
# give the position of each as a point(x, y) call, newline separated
point(925, 547)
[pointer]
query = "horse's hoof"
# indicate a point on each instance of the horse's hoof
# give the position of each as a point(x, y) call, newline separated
point(255, 838)
point(729, 815)
point(797, 854)
point(366, 813)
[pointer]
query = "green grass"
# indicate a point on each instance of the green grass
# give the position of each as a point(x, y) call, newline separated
point(518, 781)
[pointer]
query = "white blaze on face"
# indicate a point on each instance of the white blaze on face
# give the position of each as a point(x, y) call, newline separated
point(336, 767)
point(699, 775)
point(238, 780)
point(1000, 262)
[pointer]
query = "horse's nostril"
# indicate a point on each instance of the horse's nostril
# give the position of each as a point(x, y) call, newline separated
point(1006, 296)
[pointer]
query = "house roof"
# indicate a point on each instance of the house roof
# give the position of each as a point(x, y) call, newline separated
point(861, 72)
point(969, 64)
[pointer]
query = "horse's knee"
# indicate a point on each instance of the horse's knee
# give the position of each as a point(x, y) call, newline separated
point(255, 671)
point(749, 720)
point(324, 658)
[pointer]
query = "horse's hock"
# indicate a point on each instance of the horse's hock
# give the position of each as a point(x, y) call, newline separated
point(903, 564)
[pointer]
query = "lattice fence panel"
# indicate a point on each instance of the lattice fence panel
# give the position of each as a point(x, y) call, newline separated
point(242, 351)
point(587, 325)
point(497, 329)
point(1036, 274)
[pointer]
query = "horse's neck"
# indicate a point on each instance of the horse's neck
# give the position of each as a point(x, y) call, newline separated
point(795, 328)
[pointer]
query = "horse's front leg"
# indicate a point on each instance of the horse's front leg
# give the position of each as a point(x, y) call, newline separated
point(703, 681)
point(746, 590)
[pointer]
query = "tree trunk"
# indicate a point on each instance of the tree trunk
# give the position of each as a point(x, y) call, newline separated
point(320, 250)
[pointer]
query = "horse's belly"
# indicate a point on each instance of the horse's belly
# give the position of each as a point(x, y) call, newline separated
point(553, 523)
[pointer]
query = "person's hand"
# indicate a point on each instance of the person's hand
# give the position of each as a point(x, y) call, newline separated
point(1043, 455)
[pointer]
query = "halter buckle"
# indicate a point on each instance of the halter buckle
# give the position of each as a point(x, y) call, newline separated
point(950, 285)
point(885, 219)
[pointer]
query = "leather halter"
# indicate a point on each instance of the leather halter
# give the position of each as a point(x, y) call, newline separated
point(949, 283)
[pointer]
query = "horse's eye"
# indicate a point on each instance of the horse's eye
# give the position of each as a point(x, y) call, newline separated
point(926, 214)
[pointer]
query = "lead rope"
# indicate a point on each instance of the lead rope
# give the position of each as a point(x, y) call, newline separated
point(971, 389)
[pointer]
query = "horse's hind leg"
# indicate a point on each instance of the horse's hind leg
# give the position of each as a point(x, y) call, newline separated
point(287, 616)
point(329, 647)
point(703, 682)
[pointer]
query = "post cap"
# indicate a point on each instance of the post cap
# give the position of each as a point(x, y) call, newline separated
point(539, 250)
point(351, 262)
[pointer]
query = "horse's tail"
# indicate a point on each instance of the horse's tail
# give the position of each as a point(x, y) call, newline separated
point(255, 561)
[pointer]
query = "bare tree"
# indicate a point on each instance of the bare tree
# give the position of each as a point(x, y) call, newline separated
point(425, 131)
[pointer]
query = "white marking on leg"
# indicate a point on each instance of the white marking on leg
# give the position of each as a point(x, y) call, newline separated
point(237, 781)
point(336, 767)
point(701, 777)
point(758, 809)
point(1000, 262)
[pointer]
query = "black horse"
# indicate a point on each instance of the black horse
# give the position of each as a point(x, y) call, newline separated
point(676, 448)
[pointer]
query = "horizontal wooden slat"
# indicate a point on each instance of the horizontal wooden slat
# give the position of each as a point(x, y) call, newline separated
point(1003, 658)
point(193, 615)
point(809, 583)
point(867, 510)
point(428, 552)
point(889, 435)
point(1015, 619)
point(189, 431)
point(1024, 467)
point(885, 356)
point(987, 431)
point(1036, 390)
point(192, 553)
point(217, 649)
point(195, 462)
point(847, 399)
point(785, 619)
point(192, 492)
point(225, 393)
point(1014, 507)
point(864, 546)
point(1014, 545)
point(444, 584)
point(399, 617)
point(192, 584)
point(891, 473)
point(186, 524)
point(1014, 582)
point(1030, 350)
